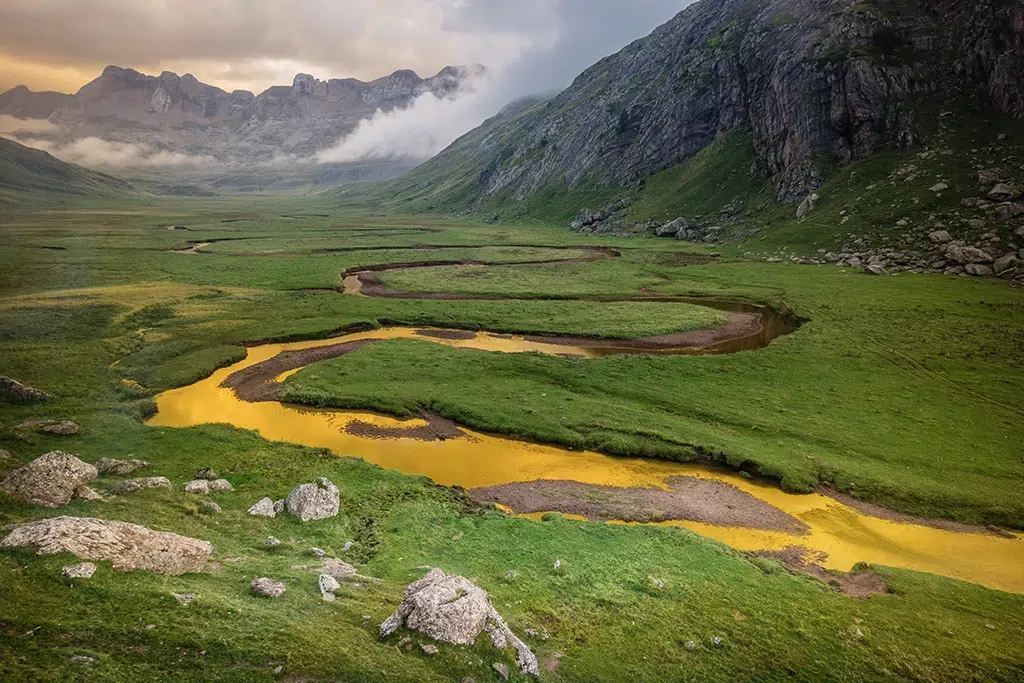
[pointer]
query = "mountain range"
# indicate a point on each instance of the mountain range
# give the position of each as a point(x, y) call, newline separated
point(180, 114)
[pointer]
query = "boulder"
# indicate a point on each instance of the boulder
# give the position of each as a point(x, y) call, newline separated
point(967, 255)
point(127, 546)
point(200, 486)
point(1002, 193)
point(318, 500)
point(50, 480)
point(60, 428)
point(221, 485)
point(876, 269)
point(327, 584)
point(86, 493)
point(132, 485)
point(263, 508)
point(939, 187)
point(267, 587)
point(13, 391)
point(112, 466)
point(977, 269)
point(939, 237)
point(452, 609)
point(205, 473)
point(501, 670)
point(209, 507)
point(988, 177)
point(1004, 263)
point(82, 570)
point(669, 229)
point(807, 205)
point(279, 506)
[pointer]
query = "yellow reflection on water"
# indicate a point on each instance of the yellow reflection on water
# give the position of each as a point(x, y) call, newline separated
point(846, 535)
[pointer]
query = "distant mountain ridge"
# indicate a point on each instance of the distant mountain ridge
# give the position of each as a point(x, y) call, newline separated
point(182, 114)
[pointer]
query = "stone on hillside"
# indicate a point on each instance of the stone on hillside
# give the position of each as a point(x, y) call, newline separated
point(939, 237)
point(452, 609)
point(13, 391)
point(112, 466)
point(669, 229)
point(501, 669)
point(1002, 193)
point(209, 507)
point(50, 480)
point(132, 485)
point(976, 223)
point(184, 598)
point(82, 570)
point(263, 508)
point(939, 187)
point(127, 546)
point(200, 486)
point(988, 177)
point(876, 269)
point(317, 552)
point(968, 255)
point(86, 493)
point(60, 428)
point(278, 506)
point(429, 649)
point(267, 587)
point(221, 485)
point(977, 269)
point(342, 571)
point(309, 502)
point(807, 205)
point(206, 473)
point(1004, 263)
point(327, 584)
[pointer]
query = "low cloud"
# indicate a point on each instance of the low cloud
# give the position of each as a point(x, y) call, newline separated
point(417, 132)
point(15, 127)
point(99, 153)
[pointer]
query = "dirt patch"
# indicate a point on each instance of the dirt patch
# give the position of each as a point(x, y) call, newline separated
point(436, 429)
point(880, 512)
point(257, 382)
point(453, 335)
point(687, 499)
point(860, 583)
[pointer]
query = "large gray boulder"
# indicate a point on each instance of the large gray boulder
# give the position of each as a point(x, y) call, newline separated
point(50, 480)
point(13, 391)
point(263, 508)
point(127, 546)
point(966, 255)
point(309, 502)
point(268, 588)
point(452, 609)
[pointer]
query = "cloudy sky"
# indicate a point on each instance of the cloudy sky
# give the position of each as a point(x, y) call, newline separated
point(252, 44)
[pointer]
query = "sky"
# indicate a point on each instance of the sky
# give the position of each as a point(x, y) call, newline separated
point(529, 47)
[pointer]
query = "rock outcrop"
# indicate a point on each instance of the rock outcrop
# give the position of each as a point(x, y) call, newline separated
point(452, 609)
point(268, 588)
point(263, 508)
point(309, 502)
point(133, 485)
point(127, 546)
point(112, 466)
point(82, 570)
point(50, 480)
point(13, 391)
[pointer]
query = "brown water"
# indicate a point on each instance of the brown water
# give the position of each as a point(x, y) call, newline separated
point(846, 535)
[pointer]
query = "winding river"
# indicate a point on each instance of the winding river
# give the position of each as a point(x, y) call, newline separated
point(835, 535)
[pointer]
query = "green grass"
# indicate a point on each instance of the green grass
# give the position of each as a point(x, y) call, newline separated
point(874, 394)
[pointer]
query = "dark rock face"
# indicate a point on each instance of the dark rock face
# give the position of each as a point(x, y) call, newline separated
point(817, 82)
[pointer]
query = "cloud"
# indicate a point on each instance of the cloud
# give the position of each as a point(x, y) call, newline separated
point(15, 127)
point(562, 38)
point(98, 153)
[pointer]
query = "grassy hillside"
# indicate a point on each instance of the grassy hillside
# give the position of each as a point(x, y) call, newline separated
point(26, 171)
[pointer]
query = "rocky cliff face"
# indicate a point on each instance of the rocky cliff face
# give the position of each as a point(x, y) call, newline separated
point(179, 113)
point(818, 83)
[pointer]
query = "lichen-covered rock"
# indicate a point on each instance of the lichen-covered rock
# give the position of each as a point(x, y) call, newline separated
point(139, 484)
point(13, 391)
point(86, 493)
point(268, 587)
point(198, 486)
point(263, 508)
point(452, 609)
point(127, 546)
point(327, 584)
point(309, 502)
point(61, 428)
point(206, 473)
point(221, 485)
point(278, 506)
point(50, 480)
point(83, 570)
point(209, 507)
point(119, 467)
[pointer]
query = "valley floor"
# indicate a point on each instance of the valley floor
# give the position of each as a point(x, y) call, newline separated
point(903, 392)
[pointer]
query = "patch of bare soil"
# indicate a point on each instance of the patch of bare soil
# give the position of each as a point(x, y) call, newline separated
point(880, 512)
point(860, 583)
point(454, 335)
point(687, 499)
point(257, 382)
point(436, 429)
